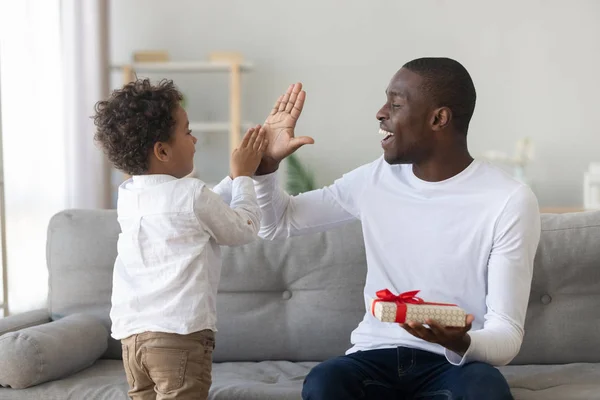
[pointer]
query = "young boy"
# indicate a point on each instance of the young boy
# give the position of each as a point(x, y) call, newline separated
point(168, 265)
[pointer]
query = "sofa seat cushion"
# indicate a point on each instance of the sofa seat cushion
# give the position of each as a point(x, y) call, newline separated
point(554, 382)
point(266, 380)
point(282, 380)
point(105, 380)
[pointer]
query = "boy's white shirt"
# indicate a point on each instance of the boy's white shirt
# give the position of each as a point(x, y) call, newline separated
point(168, 265)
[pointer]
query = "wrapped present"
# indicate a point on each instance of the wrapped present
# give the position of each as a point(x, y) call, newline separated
point(388, 307)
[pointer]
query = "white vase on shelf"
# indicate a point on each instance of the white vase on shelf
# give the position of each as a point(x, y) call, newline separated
point(518, 162)
point(591, 187)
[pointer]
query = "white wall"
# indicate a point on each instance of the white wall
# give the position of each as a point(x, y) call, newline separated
point(536, 67)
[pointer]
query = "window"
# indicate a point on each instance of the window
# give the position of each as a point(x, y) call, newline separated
point(31, 85)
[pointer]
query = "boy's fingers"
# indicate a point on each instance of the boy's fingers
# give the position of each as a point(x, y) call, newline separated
point(246, 138)
point(252, 139)
point(259, 140)
point(265, 144)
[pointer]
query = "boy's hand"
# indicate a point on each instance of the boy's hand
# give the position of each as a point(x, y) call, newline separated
point(245, 159)
point(279, 127)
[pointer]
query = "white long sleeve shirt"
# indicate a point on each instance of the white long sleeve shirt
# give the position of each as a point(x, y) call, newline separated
point(168, 265)
point(469, 240)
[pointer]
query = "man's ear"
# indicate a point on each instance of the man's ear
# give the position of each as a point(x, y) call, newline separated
point(161, 151)
point(441, 118)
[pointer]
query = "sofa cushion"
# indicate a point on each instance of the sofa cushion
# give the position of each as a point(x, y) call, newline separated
point(105, 380)
point(296, 299)
point(554, 382)
point(81, 252)
point(299, 299)
point(266, 380)
point(50, 351)
point(280, 380)
point(562, 321)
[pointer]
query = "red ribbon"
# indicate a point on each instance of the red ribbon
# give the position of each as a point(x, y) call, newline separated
point(401, 301)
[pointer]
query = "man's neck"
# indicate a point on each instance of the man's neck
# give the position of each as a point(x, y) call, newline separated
point(443, 166)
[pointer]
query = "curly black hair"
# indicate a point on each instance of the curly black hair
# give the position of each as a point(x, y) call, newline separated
point(133, 119)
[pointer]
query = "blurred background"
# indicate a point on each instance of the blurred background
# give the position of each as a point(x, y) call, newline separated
point(535, 65)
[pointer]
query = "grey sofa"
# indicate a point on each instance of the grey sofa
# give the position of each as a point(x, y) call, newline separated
point(286, 305)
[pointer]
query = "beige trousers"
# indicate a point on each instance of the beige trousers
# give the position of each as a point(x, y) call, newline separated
point(161, 366)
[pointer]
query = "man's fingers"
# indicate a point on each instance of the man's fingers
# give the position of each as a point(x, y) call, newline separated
point(410, 330)
point(419, 328)
point(422, 332)
point(276, 106)
point(415, 331)
point(295, 92)
point(470, 319)
point(468, 323)
point(298, 105)
point(436, 328)
point(286, 98)
point(246, 138)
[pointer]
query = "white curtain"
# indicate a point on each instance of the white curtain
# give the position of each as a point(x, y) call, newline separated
point(52, 72)
point(85, 60)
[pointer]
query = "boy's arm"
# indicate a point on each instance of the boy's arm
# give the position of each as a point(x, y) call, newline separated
point(229, 225)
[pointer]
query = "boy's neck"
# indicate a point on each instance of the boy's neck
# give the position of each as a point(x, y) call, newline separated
point(158, 169)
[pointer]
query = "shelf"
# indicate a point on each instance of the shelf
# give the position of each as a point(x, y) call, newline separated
point(182, 66)
point(216, 126)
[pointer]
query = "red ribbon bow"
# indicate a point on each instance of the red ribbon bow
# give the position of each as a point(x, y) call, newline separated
point(403, 298)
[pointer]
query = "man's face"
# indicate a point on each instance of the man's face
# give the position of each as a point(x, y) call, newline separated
point(404, 119)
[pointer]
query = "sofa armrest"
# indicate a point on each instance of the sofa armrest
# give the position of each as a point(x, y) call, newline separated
point(21, 321)
point(51, 351)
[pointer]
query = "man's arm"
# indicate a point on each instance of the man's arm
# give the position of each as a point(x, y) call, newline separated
point(315, 211)
point(510, 270)
point(229, 225)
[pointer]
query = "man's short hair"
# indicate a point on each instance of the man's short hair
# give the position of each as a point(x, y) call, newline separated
point(447, 84)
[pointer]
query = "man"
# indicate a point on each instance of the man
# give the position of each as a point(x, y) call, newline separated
point(434, 219)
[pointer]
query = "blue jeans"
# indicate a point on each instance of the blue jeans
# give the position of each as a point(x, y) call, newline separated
point(402, 373)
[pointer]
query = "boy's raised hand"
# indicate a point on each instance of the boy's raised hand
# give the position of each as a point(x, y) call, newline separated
point(247, 156)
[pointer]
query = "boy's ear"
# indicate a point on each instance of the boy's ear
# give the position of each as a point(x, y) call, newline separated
point(161, 151)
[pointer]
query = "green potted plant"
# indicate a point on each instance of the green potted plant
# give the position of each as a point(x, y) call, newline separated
point(299, 178)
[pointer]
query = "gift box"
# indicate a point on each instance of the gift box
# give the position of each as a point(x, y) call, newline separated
point(388, 307)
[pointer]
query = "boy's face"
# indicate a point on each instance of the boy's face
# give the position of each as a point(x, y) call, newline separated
point(182, 146)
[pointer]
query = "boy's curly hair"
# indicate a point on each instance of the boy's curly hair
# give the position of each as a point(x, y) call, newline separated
point(133, 119)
